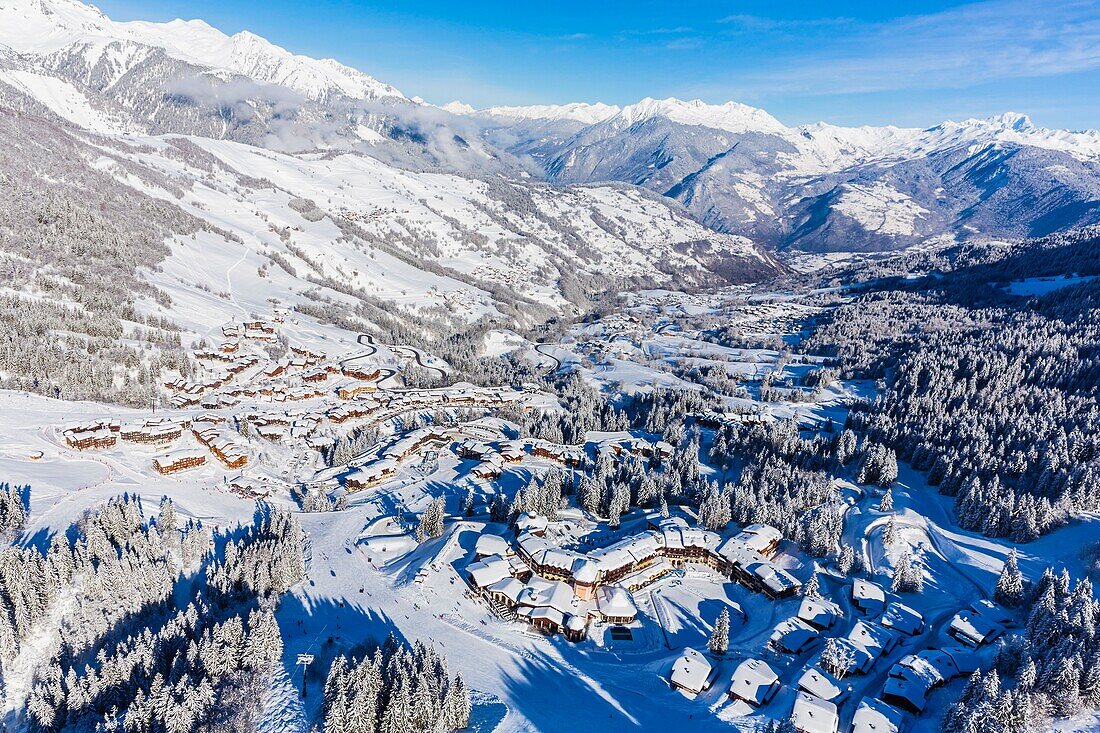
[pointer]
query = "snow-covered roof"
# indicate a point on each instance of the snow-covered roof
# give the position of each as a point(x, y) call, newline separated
point(585, 571)
point(875, 716)
point(965, 659)
point(813, 715)
point(509, 587)
point(793, 635)
point(909, 691)
point(760, 536)
point(691, 671)
point(867, 595)
point(872, 638)
point(550, 594)
point(900, 617)
point(491, 544)
point(819, 612)
point(754, 680)
point(616, 602)
point(488, 571)
point(576, 622)
point(822, 684)
point(972, 628)
point(531, 522)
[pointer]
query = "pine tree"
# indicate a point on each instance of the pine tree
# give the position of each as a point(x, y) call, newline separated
point(812, 588)
point(720, 636)
point(890, 533)
point(1010, 585)
point(887, 503)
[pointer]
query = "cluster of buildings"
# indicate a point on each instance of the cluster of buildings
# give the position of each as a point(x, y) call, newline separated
point(820, 686)
point(605, 577)
point(94, 435)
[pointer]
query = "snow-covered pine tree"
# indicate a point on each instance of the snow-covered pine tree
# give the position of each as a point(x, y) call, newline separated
point(720, 636)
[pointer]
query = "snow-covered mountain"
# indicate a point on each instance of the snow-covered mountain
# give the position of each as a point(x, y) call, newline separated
point(825, 187)
point(735, 168)
point(43, 28)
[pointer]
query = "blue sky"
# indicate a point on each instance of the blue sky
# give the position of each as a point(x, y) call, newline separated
point(844, 62)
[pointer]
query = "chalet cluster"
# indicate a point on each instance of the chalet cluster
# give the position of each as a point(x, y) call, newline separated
point(492, 457)
point(607, 575)
point(223, 444)
point(94, 435)
point(887, 623)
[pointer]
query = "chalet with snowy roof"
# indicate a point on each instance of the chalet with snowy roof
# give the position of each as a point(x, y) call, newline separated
point(365, 374)
point(370, 474)
point(616, 605)
point(351, 390)
point(576, 627)
point(531, 523)
point(692, 672)
point(93, 436)
point(903, 619)
point(871, 642)
point(821, 684)
point(513, 451)
point(811, 714)
point(990, 611)
point(793, 636)
point(875, 716)
point(819, 612)
point(755, 682)
point(159, 431)
point(491, 544)
point(489, 469)
point(179, 460)
point(761, 538)
point(868, 597)
point(546, 604)
point(972, 629)
point(565, 455)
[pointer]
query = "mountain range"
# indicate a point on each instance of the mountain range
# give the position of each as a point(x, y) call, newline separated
point(733, 168)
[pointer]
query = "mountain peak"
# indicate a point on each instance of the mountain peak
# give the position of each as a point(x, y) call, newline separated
point(42, 27)
point(729, 116)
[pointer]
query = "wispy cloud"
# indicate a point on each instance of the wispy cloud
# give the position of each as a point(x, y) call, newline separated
point(746, 23)
point(574, 37)
point(987, 41)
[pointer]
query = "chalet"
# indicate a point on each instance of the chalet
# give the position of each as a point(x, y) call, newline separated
point(490, 469)
point(352, 390)
point(361, 373)
point(545, 604)
point(370, 475)
point(531, 523)
point(93, 437)
point(576, 627)
point(871, 640)
point(811, 714)
point(683, 543)
point(491, 544)
point(505, 591)
point(488, 571)
point(772, 580)
point(615, 605)
point(513, 451)
point(875, 716)
point(793, 636)
point(906, 692)
point(819, 613)
point(903, 619)
point(152, 432)
point(585, 575)
point(761, 538)
point(755, 682)
point(868, 597)
point(692, 672)
point(972, 629)
point(821, 684)
point(179, 460)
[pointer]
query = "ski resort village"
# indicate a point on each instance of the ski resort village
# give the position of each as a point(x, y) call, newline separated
point(548, 539)
point(328, 409)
